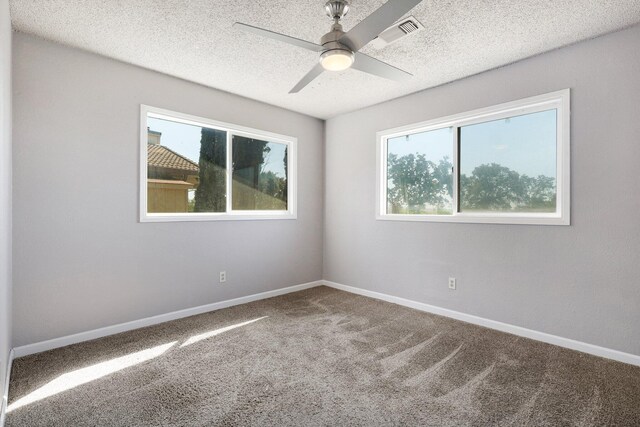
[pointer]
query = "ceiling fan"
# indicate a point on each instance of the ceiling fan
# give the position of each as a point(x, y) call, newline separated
point(339, 50)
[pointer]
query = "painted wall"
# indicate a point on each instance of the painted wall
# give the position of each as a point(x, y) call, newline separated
point(579, 281)
point(81, 259)
point(5, 190)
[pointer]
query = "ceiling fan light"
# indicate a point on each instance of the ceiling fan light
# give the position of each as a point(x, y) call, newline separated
point(337, 59)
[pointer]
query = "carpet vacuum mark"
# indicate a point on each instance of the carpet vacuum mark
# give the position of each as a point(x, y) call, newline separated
point(320, 357)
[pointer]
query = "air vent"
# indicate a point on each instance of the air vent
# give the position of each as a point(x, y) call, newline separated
point(408, 27)
point(397, 31)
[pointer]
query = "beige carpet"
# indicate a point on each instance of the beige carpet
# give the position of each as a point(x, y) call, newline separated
point(320, 357)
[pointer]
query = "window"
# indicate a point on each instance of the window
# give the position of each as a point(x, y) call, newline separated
point(195, 169)
point(504, 164)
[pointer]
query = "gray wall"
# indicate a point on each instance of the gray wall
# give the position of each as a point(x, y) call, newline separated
point(579, 281)
point(5, 189)
point(81, 259)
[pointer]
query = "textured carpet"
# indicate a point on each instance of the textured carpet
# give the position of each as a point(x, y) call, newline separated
point(320, 357)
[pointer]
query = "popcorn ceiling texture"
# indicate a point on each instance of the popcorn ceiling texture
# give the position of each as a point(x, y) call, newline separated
point(194, 40)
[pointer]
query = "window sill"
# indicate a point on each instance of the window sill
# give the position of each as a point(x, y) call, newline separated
point(237, 216)
point(528, 219)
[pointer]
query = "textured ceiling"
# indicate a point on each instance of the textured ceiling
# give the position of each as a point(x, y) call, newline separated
point(194, 40)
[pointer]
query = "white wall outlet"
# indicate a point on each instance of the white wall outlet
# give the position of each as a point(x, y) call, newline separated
point(452, 282)
point(223, 276)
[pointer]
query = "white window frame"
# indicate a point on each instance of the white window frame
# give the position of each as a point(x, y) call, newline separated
point(231, 129)
point(559, 100)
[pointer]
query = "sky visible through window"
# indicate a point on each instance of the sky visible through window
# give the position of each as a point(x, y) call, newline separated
point(437, 143)
point(526, 144)
point(185, 140)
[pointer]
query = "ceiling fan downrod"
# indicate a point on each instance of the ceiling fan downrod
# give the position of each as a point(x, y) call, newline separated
point(336, 9)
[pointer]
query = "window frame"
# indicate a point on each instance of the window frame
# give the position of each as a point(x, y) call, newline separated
point(231, 129)
point(559, 100)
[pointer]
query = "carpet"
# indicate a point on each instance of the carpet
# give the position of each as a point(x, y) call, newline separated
point(320, 357)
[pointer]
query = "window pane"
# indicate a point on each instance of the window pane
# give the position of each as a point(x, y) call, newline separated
point(419, 175)
point(259, 174)
point(509, 165)
point(185, 168)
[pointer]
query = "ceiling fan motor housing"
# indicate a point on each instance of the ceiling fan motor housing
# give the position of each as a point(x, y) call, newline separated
point(332, 47)
point(330, 40)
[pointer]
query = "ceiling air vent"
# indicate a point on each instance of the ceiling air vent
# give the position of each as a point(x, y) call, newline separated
point(408, 26)
point(397, 31)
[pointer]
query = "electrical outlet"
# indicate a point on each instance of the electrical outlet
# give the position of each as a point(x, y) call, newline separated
point(452, 283)
point(223, 276)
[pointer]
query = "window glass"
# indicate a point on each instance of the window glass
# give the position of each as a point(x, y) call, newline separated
point(185, 168)
point(419, 173)
point(198, 169)
point(501, 164)
point(509, 165)
point(259, 174)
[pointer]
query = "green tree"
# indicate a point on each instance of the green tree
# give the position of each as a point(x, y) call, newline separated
point(444, 174)
point(272, 191)
point(415, 182)
point(494, 187)
point(211, 191)
point(248, 160)
point(491, 187)
point(540, 193)
point(286, 175)
point(248, 157)
point(270, 184)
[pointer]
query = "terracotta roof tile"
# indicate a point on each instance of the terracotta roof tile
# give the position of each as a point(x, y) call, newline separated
point(160, 156)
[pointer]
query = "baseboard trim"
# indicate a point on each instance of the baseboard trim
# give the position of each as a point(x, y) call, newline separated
point(39, 347)
point(5, 389)
point(595, 350)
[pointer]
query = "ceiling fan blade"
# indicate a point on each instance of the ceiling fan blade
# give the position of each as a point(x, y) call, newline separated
point(315, 72)
point(373, 66)
point(371, 26)
point(277, 36)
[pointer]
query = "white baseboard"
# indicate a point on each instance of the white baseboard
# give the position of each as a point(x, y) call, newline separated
point(595, 350)
point(476, 320)
point(5, 389)
point(38, 347)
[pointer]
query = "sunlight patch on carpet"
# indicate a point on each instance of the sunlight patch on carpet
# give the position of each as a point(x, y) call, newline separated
point(194, 339)
point(90, 373)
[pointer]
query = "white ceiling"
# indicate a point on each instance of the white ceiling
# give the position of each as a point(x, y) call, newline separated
point(194, 40)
